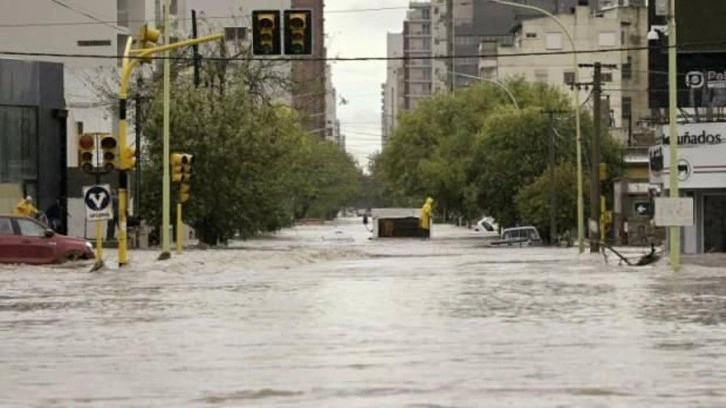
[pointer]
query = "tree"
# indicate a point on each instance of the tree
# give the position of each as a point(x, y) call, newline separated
point(533, 200)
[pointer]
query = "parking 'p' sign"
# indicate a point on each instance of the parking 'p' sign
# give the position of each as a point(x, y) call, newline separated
point(98, 202)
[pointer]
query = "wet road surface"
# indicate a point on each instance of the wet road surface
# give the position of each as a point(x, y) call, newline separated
point(320, 316)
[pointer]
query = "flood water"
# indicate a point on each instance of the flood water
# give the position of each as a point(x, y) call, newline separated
point(320, 316)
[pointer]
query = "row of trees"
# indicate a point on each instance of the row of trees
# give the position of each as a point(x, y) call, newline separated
point(256, 169)
point(476, 153)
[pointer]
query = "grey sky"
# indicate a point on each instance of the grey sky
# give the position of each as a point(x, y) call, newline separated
point(361, 34)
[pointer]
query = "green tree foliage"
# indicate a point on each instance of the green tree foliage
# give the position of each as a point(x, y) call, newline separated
point(474, 151)
point(255, 168)
point(533, 200)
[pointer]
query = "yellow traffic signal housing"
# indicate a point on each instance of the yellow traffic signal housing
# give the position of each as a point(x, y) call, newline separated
point(266, 32)
point(184, 190)
point(86, 146)
point(109, 148)
point(181, 167)
point(128, 158)
point(148, 38)
point(298, 32)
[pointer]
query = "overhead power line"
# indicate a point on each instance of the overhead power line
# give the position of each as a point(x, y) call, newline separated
point(348, 59)
point(114, 22)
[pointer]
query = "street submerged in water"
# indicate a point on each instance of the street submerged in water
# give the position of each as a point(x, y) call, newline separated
point(321, 316)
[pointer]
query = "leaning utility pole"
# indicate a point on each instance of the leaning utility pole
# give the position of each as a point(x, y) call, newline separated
point(595, 225)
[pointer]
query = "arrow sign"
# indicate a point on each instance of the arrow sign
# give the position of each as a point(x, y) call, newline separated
point(684, 170)
point(641, 208)
point(98, 202)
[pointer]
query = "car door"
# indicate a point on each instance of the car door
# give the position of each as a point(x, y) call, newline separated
point(36, 248)
point(8, 244)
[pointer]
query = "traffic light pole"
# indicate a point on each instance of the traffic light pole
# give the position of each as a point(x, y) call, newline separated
point(166, 184)
point(128, 65)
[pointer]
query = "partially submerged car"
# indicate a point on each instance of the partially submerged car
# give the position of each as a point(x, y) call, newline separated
point(519, 236)
point(27, 241)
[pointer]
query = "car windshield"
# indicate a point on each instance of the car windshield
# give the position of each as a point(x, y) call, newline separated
point(6, 227)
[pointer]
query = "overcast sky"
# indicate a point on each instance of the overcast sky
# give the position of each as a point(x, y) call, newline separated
point(361, 34)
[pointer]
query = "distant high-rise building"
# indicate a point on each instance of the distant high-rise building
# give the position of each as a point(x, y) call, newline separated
point(392, 89)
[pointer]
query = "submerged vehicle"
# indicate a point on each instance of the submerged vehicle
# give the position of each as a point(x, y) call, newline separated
point(519, 236)
point(25, 240)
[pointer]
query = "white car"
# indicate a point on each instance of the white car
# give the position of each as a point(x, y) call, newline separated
point(486, 224)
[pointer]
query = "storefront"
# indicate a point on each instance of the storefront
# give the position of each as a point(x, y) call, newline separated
point(701, 172)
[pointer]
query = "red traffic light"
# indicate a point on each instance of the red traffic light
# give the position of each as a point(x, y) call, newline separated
point(86, 142)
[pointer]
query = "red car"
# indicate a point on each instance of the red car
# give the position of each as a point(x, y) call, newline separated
point(26, 241)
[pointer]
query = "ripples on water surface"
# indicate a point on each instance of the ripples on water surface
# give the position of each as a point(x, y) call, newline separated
point(320, 316)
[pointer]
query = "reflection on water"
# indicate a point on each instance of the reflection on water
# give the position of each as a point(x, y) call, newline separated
point(321, 316)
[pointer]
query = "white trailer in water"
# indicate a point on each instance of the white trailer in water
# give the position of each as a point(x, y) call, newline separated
point(396, 223)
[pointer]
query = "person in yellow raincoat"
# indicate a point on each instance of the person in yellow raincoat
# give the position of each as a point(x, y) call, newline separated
point(425, 219)
point(25, 207)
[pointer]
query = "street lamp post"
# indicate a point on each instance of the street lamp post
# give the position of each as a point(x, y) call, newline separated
point(492, 81)
point(580, 198)
point(675, 232)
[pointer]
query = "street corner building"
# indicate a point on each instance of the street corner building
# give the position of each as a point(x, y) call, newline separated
point(33, 133)
point(701, 170)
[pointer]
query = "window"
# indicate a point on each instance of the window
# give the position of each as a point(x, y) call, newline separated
point(627, 103)
point(30, 229)
point(607, 39)
point(569, 78)
point(628, 69)
point(6, 227)
point(607, 77)
point(554, 41)
point(531, 35)
point(426, 28)
point(18, 144)
point(94, 43)
point(426, 14)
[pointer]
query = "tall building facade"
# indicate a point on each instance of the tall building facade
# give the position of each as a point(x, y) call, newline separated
point(392, 90)
point(417, 84)
point(309, 74)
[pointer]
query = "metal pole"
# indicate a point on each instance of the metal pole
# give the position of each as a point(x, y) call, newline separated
point(495, 82)
point(580, 197)
point(553, 197)
point(450, 41)
point(675, 232)
point(137, 184)
point(595, 160)
point(166, 199)
point(179, 234)
point(195, 48)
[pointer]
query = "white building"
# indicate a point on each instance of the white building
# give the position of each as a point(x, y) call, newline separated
point(625, 87)
point(701, 175)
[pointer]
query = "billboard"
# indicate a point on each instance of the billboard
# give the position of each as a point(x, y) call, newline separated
point(701, 55)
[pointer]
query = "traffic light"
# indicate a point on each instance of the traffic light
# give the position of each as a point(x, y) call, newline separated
point(184, 190)
point(148, 38)
point(266, 32)
point(86, 145)
point(128, 158)
point(298, 32)
point(181, 167)
point(109, 146)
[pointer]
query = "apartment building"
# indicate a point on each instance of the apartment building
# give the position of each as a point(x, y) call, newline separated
point(620, 29)
point(417, 84)
point(392, 89)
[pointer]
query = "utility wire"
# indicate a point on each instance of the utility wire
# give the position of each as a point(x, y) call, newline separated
point(230, 17)
point(96, 20)
point(348, 59)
